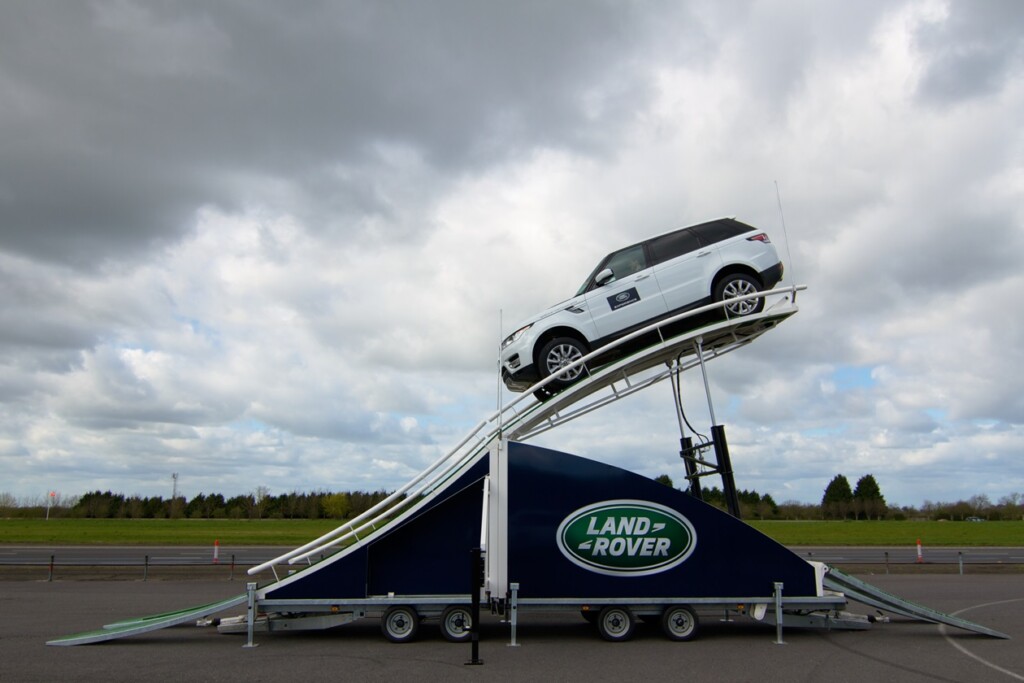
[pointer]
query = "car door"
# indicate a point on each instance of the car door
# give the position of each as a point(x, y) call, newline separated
point(630, 298)
point(683, 268)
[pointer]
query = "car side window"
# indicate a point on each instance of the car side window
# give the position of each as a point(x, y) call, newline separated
point(672, 245)
point(627, 261)
point(709, 233)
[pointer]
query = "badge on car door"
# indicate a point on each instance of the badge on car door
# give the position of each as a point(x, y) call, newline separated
point(629, 296)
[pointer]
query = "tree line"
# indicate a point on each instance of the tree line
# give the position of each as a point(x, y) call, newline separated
point(839, 501)
point(863, 501)
point(259, 504)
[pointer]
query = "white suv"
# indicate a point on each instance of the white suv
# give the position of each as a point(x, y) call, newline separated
point(633, 287)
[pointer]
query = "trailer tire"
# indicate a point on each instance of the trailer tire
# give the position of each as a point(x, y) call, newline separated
point(456, 624)
point(679, 623)
point(400, 624)
point(616, 624)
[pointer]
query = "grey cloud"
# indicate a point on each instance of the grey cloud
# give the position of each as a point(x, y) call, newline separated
point(973, 52)
point(127, 117)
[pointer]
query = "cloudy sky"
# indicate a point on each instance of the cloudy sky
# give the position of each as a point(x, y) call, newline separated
point(276, 244)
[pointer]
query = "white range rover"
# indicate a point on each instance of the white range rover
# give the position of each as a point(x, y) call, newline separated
point(633, 287)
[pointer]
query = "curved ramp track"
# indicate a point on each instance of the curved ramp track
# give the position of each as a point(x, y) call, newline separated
point(525, 417)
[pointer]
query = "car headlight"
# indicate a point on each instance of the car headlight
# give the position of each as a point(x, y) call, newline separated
point(515, 335)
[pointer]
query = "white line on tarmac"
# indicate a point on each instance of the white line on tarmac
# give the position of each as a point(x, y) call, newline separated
point(945, 634)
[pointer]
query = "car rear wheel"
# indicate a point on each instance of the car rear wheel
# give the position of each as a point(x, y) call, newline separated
point(558, 353)
point(735, 285)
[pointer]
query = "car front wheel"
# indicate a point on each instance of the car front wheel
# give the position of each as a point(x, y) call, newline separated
point(735, 285)
point(557, 354)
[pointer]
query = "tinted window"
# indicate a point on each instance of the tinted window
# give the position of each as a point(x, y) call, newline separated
point(672, 245)
point(710, 233)
point(627, 261)
point(623, 263)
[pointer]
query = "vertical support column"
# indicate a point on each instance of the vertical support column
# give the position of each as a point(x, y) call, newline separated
point(250, 613)
point(725, 469)
point(497, 520)
point(475, 571)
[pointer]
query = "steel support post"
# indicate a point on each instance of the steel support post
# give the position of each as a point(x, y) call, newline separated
point(778, 614)
point(250, 614)
point(475, 580)
point(725, 469)
point(513, 607)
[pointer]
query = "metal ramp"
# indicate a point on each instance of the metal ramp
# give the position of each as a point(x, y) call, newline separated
point(131, 627)
point(876, 597)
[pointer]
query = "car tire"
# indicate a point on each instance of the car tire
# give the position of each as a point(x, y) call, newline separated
point(556, 354)
point(739, 284)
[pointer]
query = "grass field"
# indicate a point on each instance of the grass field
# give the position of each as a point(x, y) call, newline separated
point(297, 532)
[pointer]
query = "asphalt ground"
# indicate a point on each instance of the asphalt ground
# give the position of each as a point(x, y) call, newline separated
point(554, 646)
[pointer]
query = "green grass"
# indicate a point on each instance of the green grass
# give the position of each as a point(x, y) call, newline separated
point(287, 532)
point(894, 533)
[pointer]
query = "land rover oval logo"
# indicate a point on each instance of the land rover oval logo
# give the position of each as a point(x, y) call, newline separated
point(622, 297)
point(626, 538)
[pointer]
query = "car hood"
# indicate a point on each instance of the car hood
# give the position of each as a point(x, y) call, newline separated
point(550, 311)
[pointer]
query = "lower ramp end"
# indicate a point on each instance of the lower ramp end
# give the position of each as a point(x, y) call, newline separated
point(864, 592)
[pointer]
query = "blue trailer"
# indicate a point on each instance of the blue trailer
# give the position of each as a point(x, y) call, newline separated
point(555, 531)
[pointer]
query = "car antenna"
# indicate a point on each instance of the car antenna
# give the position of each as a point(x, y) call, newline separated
point(789, 254)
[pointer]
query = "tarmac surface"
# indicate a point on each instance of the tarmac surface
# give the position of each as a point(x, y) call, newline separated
point(553, 646)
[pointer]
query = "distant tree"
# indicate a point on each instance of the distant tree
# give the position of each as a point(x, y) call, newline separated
point(867, 497)
point(664, 479)
point(336, 505)
point(838, 499)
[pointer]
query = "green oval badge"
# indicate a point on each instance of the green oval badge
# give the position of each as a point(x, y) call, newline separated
point(626, 538)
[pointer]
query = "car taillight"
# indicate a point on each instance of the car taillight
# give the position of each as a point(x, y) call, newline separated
point(760, 237)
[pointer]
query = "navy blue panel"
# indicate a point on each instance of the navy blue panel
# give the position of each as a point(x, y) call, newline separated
point(428, 554)
point(730, 559)
point(345, 578)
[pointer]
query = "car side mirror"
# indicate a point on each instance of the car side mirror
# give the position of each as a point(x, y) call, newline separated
point(604, 277)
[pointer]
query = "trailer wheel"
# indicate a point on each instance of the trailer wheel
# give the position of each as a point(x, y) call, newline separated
point(616, 624)
point(456, 624)
point(400, 624)
point(679, 622)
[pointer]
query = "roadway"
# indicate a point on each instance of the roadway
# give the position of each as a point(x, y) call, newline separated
point(554, 646)
point(247, 556)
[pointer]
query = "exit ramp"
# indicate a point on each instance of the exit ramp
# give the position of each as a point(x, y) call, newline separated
point(876, 597)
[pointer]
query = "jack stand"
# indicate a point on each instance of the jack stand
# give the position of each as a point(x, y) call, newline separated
point(513, 609)
point(250, 613)
point(778, 614)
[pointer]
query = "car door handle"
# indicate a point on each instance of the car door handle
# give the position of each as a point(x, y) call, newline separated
point(642, 277)
point(703, 254)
